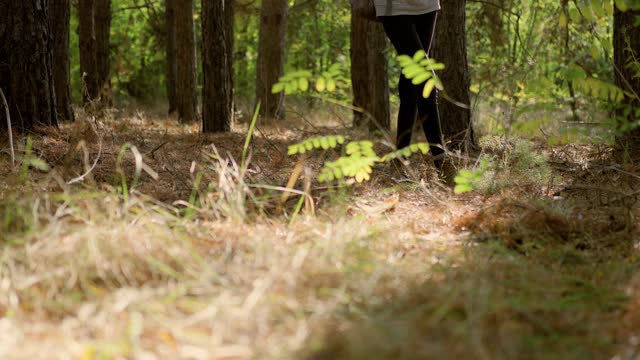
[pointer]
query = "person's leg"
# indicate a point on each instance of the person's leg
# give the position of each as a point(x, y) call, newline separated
point(402, 33)
point(428, 114)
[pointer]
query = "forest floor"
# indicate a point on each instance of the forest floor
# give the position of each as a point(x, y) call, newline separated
point(99, 260)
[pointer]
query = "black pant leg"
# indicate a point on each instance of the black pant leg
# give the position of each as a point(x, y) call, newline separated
point(428, 114)
point(403, 35)
point(408, 34)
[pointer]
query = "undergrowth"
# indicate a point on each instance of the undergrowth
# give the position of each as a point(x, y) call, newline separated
point(234, 268)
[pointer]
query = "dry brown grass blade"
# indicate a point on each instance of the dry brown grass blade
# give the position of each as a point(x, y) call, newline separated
point(295, 174)
point(6, 107)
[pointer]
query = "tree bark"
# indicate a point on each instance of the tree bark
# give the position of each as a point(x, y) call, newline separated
point(102, 13)
point(273, 26)
point(59, 23)
point(88, 52)
point(26, 73)
point(186, 83)
point(170, 25)
point(217, 65)
point(626, 51)
point(450, 48)
point(369, 76)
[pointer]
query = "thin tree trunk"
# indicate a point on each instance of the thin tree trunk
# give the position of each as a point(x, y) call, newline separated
point(369, 76)
point(217, 65)
point(88, 52)
point(626, 51)
point(273, 25)
point(26, 73)
point(186, 85)
point(451, 49)
point(59, 23)
point(170, 25)
point(102, 20)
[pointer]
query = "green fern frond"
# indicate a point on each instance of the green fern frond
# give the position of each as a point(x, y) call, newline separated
point(467, 179)
point(357, 164)
point(293, 82)
point(407, 151)
point(300, 80)
point(319, 142)
point(600, 89)
point(354, 166)
point(420, 69)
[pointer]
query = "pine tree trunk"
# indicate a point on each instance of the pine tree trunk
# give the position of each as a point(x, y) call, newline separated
point(102, 20)
point(217, 65)
point(88, 52)
point(170, 24)
point(626, 49)
point(186, 85)
point(273, 26)
point(26, 73)
point(451, 49)
point(369, 76)
point(59, 23)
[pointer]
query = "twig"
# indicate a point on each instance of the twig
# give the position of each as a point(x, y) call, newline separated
point(6, 107)
point(152, 152)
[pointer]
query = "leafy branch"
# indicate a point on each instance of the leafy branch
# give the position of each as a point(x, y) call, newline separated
point(358, 160)
point(421, 69)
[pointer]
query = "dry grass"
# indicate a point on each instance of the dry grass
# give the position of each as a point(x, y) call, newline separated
point(178, 268)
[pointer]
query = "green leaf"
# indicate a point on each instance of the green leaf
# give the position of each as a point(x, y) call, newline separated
point(420, 78)
point(574, 72)
point(598, 8)
point(428, 88)
point(288, 88)
point(321, 84)
point(38, 164)
point(303, 84)
point(324, 143)
point(404, 60)
point(419, 55)
point(423, 147)
point(437, 67)
point(412, 71)
point(331, 85)
point(277, 88)
point(574, 15)
point(462, 188)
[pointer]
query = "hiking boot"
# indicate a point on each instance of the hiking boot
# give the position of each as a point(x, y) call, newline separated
point(399, 168)
point(446, 169)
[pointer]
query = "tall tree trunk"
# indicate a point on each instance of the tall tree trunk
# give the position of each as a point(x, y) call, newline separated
point(59, 23)
point(170, 25)
point(626, 51)
point(186, 83)
point(102, 13)
point(273, 26)
point(26, 73)
point(88, 51)
point(369, 77)
point(217, 65)
point(451, 49)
